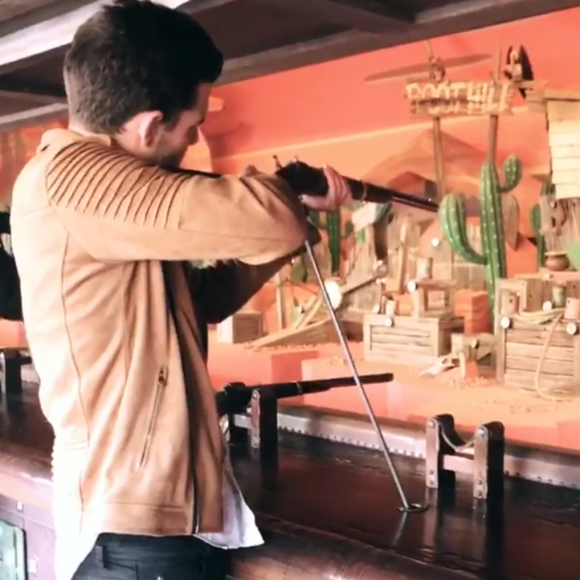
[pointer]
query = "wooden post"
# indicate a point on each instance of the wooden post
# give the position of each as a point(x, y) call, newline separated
point(437, 138)
point(280, 302)
point(494, 119)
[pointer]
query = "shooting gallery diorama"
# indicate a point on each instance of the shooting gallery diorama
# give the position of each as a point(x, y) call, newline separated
point(438, 319)
point(455, 268)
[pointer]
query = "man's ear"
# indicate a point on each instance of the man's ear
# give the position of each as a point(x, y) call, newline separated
point(147, 125)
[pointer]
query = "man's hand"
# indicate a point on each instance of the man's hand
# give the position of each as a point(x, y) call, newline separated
point(338, 193)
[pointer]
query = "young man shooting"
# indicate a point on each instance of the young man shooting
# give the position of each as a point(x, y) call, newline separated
point(103, 225)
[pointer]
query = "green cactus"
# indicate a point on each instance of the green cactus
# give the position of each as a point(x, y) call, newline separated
point(361, 236)
point(453, 222)
point(333, 227)
point(335, 237)
point(536, 219)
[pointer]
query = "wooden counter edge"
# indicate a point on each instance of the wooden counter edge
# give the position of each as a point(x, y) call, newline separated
point(287, 553)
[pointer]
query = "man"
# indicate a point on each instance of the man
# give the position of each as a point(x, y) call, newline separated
point(102, 226)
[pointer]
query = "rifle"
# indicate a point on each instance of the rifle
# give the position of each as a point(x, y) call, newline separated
point(234, 398)
point(305, 179)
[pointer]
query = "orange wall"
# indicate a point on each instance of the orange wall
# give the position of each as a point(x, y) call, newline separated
point(326, 113)
point(16, 148)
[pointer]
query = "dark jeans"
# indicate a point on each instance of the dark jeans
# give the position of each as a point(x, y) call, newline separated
point(121, 557)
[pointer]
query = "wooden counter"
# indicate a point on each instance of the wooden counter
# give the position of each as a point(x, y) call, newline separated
point(334, 515)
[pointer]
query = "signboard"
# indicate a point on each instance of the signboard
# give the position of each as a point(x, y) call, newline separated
point(450, 98)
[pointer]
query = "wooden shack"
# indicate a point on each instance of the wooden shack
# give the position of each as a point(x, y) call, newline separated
point(537, 321)
point(563, 115)
point(559, 219)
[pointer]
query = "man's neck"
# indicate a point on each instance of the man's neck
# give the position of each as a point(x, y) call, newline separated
point(81, 130)
point(78, 128)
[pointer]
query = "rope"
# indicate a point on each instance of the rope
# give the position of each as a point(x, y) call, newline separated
point(554, 394)
point(539, 316)
point(457, 448)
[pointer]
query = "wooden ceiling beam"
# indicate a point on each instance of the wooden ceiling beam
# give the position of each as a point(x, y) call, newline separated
point(364, 15)
point(453, 18)
point(33, 93)
point(43, 32)
point(473, 14)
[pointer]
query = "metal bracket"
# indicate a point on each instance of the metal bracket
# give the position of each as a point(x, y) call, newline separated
point(447, 454)
point(263, 435)
point(257, 432)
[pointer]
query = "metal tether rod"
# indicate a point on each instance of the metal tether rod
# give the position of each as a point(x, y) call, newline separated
point(405, 505)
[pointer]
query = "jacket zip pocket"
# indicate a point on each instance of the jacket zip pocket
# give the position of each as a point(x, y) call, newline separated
point(159, 386)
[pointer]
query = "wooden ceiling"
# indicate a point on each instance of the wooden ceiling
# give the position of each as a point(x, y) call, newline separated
point(258, 37)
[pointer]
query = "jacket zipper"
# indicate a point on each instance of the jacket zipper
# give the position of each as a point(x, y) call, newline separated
point(159, 386)
point(196, 507)
point(190, 403)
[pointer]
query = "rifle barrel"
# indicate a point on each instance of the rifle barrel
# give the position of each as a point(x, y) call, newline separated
point(297, 388)
point(361, 190)
point(235, 397)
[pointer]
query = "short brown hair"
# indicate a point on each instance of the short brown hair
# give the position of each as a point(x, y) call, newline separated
point(134, 56)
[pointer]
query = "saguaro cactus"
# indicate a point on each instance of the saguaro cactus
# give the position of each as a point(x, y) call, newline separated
point(536, 219)
point(453, 220)
point(333, 227)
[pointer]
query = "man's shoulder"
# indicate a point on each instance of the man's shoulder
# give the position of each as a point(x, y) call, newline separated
point(30, 192)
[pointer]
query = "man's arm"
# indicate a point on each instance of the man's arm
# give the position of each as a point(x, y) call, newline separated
point(120, 209)
point(221, 289)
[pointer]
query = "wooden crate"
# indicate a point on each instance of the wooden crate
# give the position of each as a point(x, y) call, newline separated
point(473, 307)
point(241, 327)
point(407, 340)
point(531, 292)
point(520, 347)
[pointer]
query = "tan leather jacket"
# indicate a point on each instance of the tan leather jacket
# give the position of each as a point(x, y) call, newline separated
point(100, 241)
